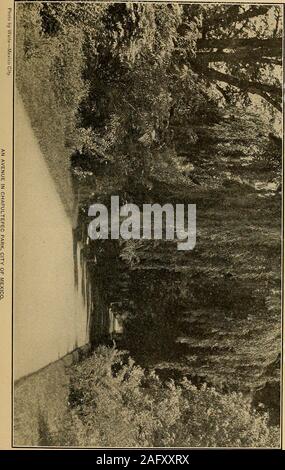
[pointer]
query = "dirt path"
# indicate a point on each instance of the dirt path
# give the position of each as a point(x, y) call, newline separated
point(49, 316)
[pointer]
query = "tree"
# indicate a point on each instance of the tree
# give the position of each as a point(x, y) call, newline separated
point(243, 56)
point(155, 73)
point(116, 403)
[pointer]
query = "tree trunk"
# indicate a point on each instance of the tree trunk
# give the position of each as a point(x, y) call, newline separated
point(270, 93)
point(240, 56)
point(233, 43)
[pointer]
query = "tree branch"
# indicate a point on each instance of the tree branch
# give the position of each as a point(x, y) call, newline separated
point(270, 93)
point(232, 16)
point(233, 43)
point(253, 12)
point(241, 56)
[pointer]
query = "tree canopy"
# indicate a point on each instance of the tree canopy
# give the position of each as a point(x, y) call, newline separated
point(173, 103)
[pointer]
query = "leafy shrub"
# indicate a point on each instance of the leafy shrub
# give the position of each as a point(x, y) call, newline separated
point(49, 77)
point(116, 403)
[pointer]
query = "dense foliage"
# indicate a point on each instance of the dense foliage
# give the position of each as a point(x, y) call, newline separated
point(115, 403)
point(171, 103)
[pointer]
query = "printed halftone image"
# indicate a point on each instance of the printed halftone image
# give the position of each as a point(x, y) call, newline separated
point(148, 200)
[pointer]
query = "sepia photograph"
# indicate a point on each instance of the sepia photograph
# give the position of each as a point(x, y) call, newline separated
point(147, 268)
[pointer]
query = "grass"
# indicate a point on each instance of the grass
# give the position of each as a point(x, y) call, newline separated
point(48, 78)
point(41, 405)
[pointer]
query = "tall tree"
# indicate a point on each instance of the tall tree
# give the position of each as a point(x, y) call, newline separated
point(234, 49)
